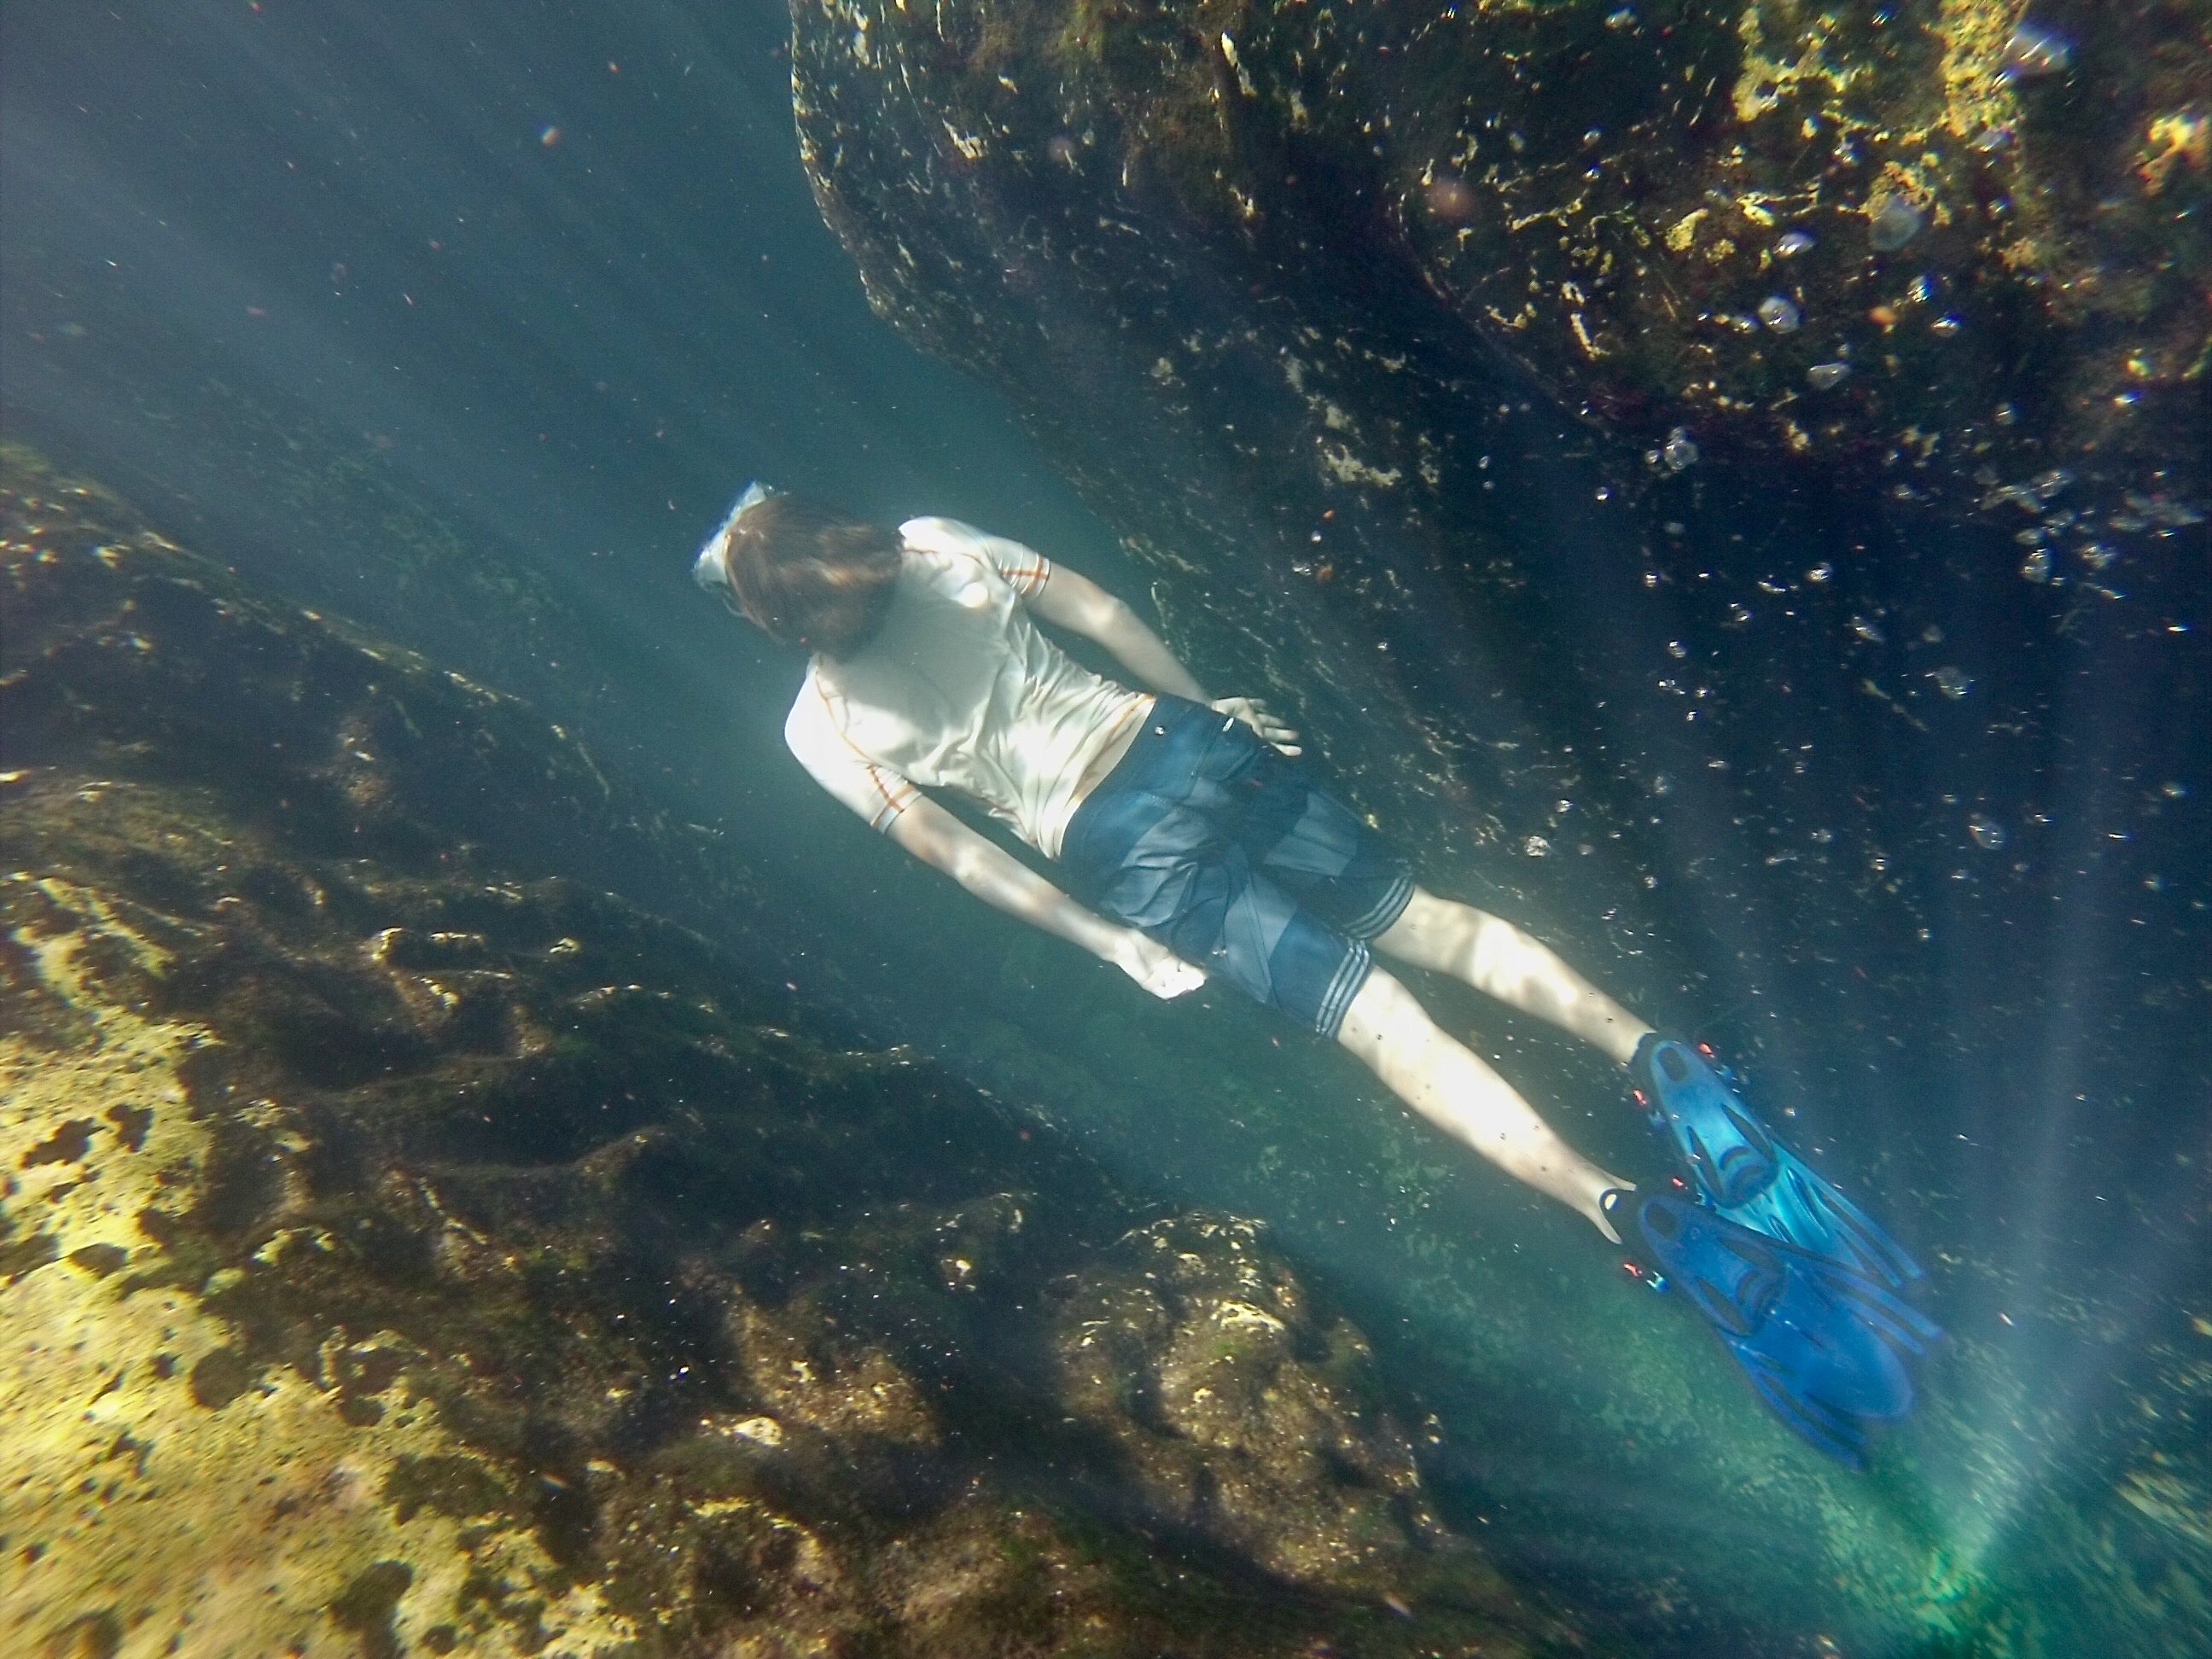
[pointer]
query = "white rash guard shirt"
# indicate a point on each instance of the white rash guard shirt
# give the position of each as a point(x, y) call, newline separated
point(958, 689)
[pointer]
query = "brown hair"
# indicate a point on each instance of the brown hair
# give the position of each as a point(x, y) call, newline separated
point(810, 575)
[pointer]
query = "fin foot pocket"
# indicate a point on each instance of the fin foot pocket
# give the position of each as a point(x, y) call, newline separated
point(1743, 1172)
point(1824, 1344)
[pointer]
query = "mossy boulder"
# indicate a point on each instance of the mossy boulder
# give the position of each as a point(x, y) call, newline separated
point(408, 1244)
point(1946, 244)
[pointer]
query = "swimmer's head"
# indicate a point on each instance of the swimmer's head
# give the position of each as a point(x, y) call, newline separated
point(805, 574)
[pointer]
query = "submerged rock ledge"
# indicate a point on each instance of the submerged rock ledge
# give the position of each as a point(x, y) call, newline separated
point(1946, 244)
point(407, 1248)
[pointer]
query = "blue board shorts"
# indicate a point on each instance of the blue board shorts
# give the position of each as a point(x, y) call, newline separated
point(1218, 845)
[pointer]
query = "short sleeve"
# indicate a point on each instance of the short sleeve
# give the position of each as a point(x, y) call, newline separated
point(873, 790)
point(1022, 568)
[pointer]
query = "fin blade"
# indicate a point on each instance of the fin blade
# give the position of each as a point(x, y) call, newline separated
point(1822, 1208)
point(1889, 1315)
point(1811, 1420)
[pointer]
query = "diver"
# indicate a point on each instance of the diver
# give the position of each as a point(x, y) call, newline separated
point(1199, 848)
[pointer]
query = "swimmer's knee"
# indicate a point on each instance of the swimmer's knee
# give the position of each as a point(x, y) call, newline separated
point(1384, 1011)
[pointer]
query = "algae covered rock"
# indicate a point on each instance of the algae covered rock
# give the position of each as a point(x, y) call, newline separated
point(1961, 228)
point(407, 1246)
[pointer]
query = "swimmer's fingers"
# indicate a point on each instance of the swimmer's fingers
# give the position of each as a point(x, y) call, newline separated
point(1157, 969)
point(1257, 715)
point(1174, 978)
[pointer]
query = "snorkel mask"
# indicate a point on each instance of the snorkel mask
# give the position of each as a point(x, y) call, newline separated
point(711, 569)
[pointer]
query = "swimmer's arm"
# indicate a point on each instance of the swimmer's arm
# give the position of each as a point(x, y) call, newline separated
point(1081, 606)
point(1004, 882)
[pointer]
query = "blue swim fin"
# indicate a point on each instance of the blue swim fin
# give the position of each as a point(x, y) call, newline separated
point(1823, 1344)
point(1742, 1171)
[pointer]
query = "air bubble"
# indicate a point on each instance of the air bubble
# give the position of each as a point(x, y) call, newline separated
point(1895, 222)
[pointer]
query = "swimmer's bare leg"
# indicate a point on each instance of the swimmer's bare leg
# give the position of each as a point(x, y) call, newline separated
point(1498, 959)
point(1455, 1090)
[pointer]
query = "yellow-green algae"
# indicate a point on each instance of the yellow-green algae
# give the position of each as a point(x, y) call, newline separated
point(164, 1494)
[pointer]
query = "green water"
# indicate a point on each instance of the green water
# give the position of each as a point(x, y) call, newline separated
point(465, 322)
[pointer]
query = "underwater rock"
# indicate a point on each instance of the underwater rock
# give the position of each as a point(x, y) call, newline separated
point(1240, 265)
point(406, 1246)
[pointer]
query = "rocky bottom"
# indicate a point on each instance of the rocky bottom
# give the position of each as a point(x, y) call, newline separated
point(407, 1248)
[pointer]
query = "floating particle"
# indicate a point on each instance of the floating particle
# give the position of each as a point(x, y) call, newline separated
point(1921, 289)
point(2174, 789)
point(1780, 313)
point(1953, 681)
point(1662, 785)
point(1991, 139)
point(1894, 224)
point(2019, 496)
point(1989, 834)
point(2005, 415)
point(1678, 453)
point(1869, 630)
point(1946, 325)
point(1449, 198)
point(1821, 573)
point(2047, 485)
point(1739, 615)
point(1822, 836)
point(1623, 18)
point(2034, 52)
point(1827, 377)
point(1792, 243)
point(1677, 650)
point(550, 137)
point(1535, 847)
point(2036, 567)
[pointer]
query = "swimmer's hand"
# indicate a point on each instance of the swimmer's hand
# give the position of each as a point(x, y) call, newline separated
point(1155, 967)
point(1256, 715)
